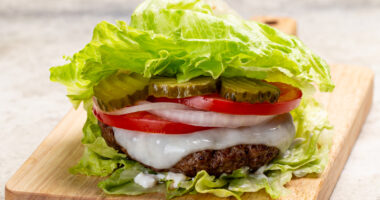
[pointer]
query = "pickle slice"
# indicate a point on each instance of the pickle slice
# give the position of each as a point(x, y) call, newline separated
point(241, 89)
point(120, 90)
point(170, 88)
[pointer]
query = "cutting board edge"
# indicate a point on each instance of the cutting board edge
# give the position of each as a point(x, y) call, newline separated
point(17, 195)
point(356, 129)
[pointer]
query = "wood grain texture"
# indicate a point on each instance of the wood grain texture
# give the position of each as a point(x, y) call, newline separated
point(285, 24)
point(45, 174)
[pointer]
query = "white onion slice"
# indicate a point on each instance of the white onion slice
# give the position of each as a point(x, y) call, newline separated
point(177, 112)
point(211, 119)
point(148, 106)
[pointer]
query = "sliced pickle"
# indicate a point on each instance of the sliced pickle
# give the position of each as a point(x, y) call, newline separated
point(242, 89)
point(120, 90)
point(170, 88)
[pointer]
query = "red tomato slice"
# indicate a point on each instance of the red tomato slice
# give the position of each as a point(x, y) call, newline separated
point(146, 122)
point(289, 99)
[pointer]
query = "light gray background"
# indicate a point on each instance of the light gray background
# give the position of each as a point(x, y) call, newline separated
point(34, 35)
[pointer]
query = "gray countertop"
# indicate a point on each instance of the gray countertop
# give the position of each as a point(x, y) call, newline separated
point(34, 35)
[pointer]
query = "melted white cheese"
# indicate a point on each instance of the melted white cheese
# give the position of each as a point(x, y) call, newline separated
point(145, 180)
point(163, 151)
point(150, 180)
point(176, 178)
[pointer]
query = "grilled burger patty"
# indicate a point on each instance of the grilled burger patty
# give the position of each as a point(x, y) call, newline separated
point(215, 162)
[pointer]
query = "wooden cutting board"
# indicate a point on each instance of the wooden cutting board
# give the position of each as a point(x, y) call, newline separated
point(45, 174)
point(285, 24)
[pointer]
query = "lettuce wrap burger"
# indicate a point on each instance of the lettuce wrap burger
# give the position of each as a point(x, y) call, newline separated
point(184, 99)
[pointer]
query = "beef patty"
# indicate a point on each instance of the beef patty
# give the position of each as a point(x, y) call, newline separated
point(215, 162)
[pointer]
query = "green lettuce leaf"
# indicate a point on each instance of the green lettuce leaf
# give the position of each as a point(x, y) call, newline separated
point(273, 183)
point(313, 140)
point(121, 181)
point(98, 158)
point(70, 75)
point(228, 45)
